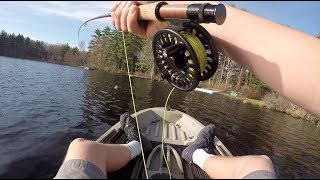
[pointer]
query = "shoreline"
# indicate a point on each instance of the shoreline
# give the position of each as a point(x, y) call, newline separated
point(263, 105)
point(253, 102)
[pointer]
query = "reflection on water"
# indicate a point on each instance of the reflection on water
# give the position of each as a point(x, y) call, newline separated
point(102, 101)
point(45, 106)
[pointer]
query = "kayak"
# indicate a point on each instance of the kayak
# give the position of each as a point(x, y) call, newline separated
point(180, 130)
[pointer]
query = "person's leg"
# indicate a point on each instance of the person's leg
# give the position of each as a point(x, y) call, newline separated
point(84, 154)
point(221, 167)
point(200, 153)
point(108, 157)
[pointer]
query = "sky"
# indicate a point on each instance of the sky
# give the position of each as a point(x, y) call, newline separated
point(58, 21)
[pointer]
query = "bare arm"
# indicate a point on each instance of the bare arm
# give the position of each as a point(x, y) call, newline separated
point(285, 59)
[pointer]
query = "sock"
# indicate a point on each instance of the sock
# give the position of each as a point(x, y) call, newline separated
point(134, 148)
point(199, 156)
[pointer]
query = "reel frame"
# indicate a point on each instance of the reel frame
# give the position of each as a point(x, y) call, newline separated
point(174, 65)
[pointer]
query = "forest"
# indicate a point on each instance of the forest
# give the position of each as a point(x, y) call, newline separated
point(18, 46)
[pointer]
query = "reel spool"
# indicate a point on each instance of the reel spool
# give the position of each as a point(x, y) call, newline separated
point(185, 55)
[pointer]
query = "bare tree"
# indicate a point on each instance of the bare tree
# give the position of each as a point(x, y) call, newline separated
point(82, 46)
point(147, 62)
point(240, 77)
point(228, 70)
point(222, 69)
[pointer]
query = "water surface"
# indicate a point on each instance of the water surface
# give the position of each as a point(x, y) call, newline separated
point(43, 107)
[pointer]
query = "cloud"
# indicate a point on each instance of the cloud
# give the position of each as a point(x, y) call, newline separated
point(14, 12)
point(9, 13)
point(12, 20)
point(81, 10)
point(36, 19)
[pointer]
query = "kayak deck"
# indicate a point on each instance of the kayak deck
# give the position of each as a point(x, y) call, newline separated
point(180, 130)
point(135, 170)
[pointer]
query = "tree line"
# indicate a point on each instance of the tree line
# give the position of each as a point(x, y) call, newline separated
point(18, 46)
point(106, 51)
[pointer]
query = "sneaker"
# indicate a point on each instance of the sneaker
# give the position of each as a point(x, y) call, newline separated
point(204, 141)
point(128, 125)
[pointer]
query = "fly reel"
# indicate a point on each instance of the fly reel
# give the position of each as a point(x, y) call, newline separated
point(185, 54)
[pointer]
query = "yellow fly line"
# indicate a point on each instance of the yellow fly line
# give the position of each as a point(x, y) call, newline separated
point(198, 48)
point(135, 112)
point(201, 55)
point(134, 106)
point(163, 124)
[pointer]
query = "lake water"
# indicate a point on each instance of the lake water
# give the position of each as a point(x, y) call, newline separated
point(43, 107)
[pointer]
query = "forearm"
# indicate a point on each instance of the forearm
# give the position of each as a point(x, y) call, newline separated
point(285, 59)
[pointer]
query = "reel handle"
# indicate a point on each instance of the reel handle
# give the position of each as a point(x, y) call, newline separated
point(199, 13)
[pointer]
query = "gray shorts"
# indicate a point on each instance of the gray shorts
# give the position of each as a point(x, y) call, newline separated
point(81, 169)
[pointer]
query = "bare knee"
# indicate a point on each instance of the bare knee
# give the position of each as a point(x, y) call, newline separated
point(260, 162)
point(265, 161)
point(86, 150)
point(249, 164)
point(79, 148)
point(265, 158)
point(76, 143)
point(257, 159)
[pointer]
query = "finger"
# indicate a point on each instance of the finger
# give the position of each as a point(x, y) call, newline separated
point(112, 19)
point(132, 21)
point(118, 15)
point(124, 16)
point(115, 5)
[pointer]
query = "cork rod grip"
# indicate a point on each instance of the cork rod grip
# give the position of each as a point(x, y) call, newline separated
point(149, 11)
